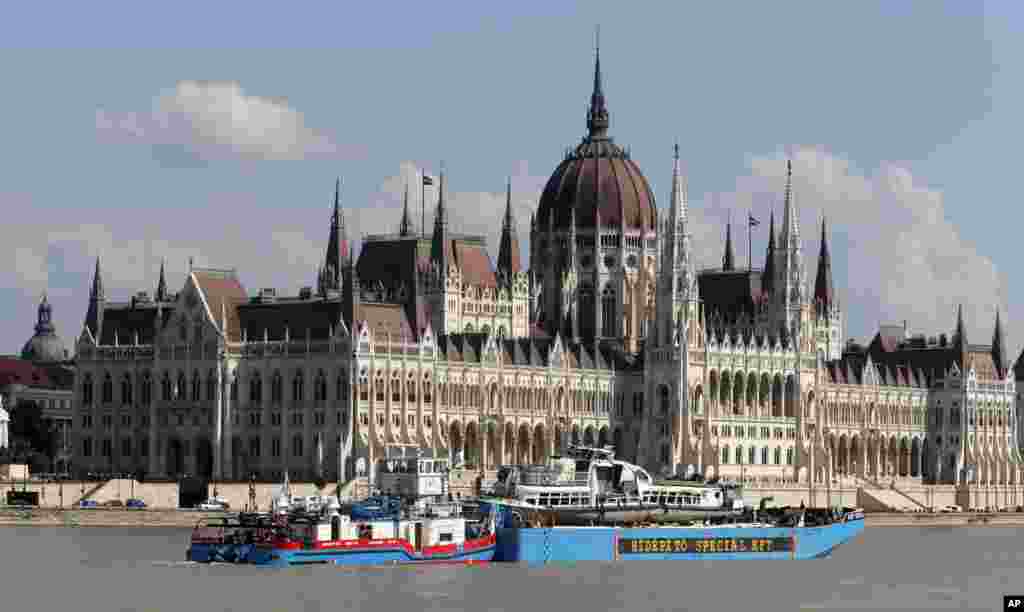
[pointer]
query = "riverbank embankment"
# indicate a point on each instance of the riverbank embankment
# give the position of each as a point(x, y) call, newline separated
point(124, 517)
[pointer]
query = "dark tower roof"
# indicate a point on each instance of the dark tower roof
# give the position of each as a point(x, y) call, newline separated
point(45, 346)
point(960, 334)
point(405, 226)
point(337, 246)
point(94, 316)
point(999, 347)
point(439, 248)
point(823, 291)
point(508, 251)
point(161, 285)
point(598, 180)
point(728, 260)
point(768, 276)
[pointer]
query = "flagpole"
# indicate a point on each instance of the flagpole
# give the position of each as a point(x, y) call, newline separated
point(750, 249)
point(423, 206)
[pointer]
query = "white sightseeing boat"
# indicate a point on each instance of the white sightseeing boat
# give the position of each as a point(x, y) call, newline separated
point(589, 485)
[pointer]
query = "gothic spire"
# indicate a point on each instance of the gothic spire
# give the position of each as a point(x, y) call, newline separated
point(439, 246)
point(999, 347)
point(768, 276)
point(405, 226)
point(161, 285)
point(727, 259)
point(597, 117)
point(823, 292)
point(508, 252)
point(960, 335)
point(94, 316)
point(337, 244)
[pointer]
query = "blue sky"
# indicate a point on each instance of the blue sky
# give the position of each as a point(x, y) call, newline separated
point(902, 118)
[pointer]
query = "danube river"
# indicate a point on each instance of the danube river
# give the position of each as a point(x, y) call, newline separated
point(887, 568)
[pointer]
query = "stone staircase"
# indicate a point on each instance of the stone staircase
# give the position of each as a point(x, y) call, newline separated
point(877, 497)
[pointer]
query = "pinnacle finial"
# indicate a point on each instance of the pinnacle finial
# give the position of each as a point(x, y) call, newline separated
point(676, 147)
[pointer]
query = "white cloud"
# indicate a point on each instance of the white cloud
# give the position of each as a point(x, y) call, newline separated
point(905, 259)
point(205, 121)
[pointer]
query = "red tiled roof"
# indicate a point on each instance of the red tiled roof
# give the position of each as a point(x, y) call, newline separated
point(223, 288)
point(21, 372)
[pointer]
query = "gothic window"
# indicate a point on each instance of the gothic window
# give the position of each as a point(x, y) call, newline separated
point(396, 388)
point(789, 456)
point(320, 387)
point(751, 455)
point(183, 331)
point(211, 386)
point(426, 392)
point(664, 400)
point(276, 388)
point(275, 447)
point(254, 447)
point(725, 454)
point(126, 390)
point(197, 332)
point(764, 456)
point(197, 386)
point(778, 456)
point(339, 388)
point(234, 389)
point(739, 454)
point(364, 386)
point(108, 389)
point(146, 389)
point(256, 388)
point(87, 390)
point(469, 328)
point(297, 387)
point(608, 312)
point(165, 388)
point(179, 389)
point(411, 390)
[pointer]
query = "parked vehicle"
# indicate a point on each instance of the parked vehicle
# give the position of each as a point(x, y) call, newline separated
point(135, 503)
point(88, 503)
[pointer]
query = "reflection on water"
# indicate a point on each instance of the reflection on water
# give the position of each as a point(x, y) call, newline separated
point(893, 568)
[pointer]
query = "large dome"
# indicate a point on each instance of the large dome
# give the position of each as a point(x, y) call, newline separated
point(45, 346)
point(598, 177)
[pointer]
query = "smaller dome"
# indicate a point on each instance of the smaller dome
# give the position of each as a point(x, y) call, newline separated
point(45, 346)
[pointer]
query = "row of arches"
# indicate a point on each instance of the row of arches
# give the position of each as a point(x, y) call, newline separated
point(496, 444)
point(751, 394)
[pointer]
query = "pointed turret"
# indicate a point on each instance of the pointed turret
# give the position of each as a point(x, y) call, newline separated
point(999, 347)
point(161, 285)
point(727, 259)
point(439, 247)
point(960, 335)
point(405, 226)
point(97, 300)
point(789, 274)
point(508, 252)
point(337, 245)
point(677, 280)
point(597, 116)
point(823, 291)
point(768, 276)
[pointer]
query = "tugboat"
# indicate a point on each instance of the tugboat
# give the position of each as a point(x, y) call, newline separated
point(229, 538)
point(589, 485)
point(424, 527)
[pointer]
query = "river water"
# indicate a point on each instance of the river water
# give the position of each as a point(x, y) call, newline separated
point(54, 569)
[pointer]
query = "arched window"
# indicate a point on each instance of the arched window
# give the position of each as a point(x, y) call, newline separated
point(764, 456)
point(396, 388)
point(256, 388)
point(108, 390)
point(146, 389)
point(378, 386)
point(364, 386)
point(789, 456)
point(276, 388)
point(234, 389)
point(469, 328)
point(126, 390)
point(180, 388)
point(211, 385)
point(751, 455)
point(725, 454)
point(411, 390)
point(664, 400)
point(320, 388)
point(778, 456)
point(608, 312)
point(297, 445)
point(197, 386)
point(165, 388)
point(87, 390)
point(339, 388)
point(739, 454)
point(297, 387)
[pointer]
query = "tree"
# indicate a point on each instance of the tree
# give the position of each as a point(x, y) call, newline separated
point(29, 428)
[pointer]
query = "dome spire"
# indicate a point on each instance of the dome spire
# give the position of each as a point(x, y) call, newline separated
point(597, 117)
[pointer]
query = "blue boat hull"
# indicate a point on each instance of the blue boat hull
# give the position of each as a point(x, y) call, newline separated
point(220, 553)
point(380, 556)
point(568, 544)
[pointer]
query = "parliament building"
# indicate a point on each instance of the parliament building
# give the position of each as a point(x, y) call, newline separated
point(612, 336)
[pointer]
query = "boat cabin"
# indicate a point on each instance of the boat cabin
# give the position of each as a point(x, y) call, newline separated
point(418, 532)
point(413, 472)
